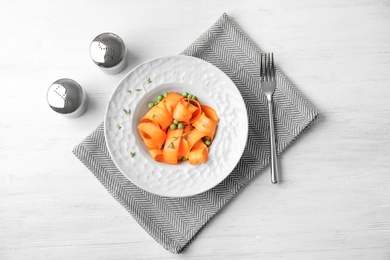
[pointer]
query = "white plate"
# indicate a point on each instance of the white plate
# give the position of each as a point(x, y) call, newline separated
point(175, 73)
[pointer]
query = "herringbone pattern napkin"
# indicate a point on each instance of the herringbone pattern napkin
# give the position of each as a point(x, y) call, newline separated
point(174, 222)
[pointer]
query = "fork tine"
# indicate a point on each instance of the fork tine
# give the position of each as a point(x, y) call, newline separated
point(268, 67)
point(272, 66)
point(262, 67)
point(265, 67)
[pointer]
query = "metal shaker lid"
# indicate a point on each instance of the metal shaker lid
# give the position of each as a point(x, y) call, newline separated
point(107, 50)
point(65, 96)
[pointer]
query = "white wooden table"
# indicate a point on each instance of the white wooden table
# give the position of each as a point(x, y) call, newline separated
point(334, 201)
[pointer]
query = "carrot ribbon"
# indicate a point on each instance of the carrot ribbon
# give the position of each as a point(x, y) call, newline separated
point(171, 146)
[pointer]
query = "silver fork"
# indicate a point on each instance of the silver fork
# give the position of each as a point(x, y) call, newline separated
point(268, 85)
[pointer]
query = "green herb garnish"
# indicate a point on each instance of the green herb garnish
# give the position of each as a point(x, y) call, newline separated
point(127, 112)
point(132, 154)
point(149, 81)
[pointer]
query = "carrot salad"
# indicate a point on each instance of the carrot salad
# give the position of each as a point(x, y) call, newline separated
point(178, 128)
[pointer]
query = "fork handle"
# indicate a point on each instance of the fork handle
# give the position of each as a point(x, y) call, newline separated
point(274, 163)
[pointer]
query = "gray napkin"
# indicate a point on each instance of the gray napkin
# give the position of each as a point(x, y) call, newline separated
point(174, 222)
